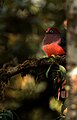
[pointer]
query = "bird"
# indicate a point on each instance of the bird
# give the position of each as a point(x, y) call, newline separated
point(54, 42)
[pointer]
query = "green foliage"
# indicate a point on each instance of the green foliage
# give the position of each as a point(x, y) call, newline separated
point(64, 106)
point(56, 73)
point(6, 115)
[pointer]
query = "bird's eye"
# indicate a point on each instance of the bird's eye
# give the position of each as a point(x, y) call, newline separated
point(51, 31)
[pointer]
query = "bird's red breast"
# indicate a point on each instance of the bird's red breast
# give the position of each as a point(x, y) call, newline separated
point(53, 49)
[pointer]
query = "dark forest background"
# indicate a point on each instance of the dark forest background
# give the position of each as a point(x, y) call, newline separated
point(23, 24)
point(22, 28)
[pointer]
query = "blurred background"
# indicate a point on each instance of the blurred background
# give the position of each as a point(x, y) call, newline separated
point(22, 28)
point(23, 24)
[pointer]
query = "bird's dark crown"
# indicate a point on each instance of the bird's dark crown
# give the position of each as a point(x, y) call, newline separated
point(52, 30)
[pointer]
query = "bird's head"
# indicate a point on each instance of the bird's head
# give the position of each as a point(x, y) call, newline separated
point(52, 30)
point(51, 35)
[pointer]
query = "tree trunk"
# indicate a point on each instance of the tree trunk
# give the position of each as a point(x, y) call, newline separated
point(72, 59)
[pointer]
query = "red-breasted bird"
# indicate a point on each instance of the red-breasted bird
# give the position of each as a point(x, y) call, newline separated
point(54, 42)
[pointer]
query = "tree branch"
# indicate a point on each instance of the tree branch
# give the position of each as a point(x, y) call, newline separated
point(28, 66)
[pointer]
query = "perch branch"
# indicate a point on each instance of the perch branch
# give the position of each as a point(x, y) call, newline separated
point(6, 73)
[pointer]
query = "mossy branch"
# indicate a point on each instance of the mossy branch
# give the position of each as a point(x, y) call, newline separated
point(30, 65)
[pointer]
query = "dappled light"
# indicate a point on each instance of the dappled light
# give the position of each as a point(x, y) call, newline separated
point(33, 62)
